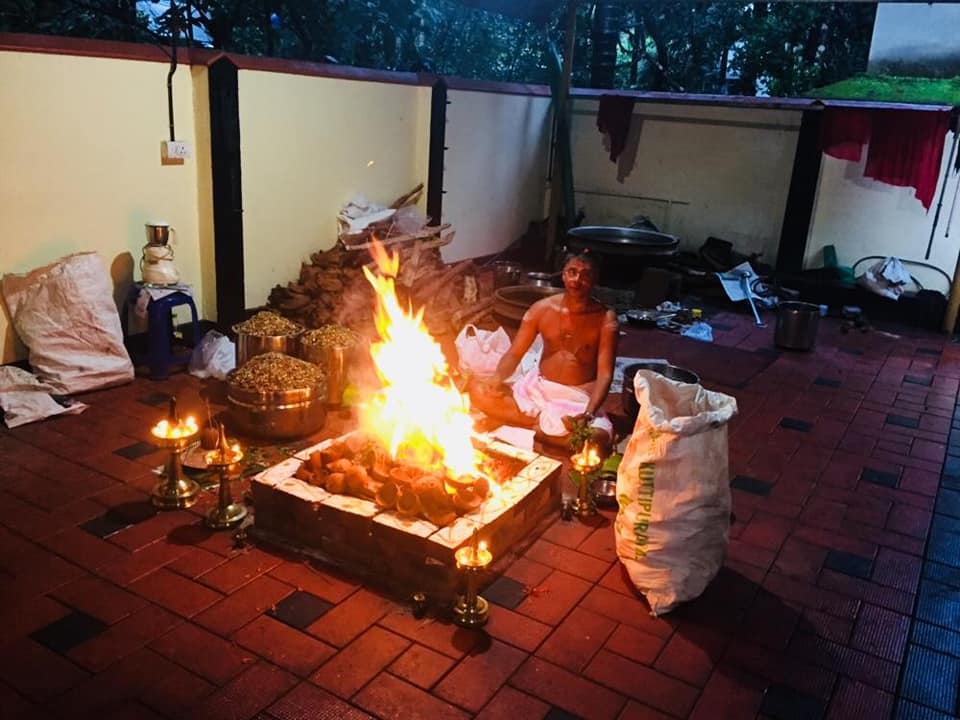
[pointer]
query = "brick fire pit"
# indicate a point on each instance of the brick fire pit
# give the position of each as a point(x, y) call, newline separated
point(403, 554)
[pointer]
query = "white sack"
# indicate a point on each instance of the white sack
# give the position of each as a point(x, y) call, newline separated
point(64, 313)
point(25, 399)
point(673, 490)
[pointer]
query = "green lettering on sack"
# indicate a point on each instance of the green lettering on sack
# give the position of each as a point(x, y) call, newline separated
point(646, 473)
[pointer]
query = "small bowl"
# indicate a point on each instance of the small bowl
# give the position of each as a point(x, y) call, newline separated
point(605, 492)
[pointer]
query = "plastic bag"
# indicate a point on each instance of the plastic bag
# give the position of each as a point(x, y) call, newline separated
point(66, 316)
point(24, 399)
point(673, 490)
point(887, 278)
point(214, 356)
point(480, 350)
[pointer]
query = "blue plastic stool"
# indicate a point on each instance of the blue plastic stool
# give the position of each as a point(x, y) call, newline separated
point(160, 354)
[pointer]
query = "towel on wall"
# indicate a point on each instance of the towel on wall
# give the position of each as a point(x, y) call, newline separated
point(906, 147)
point(613, 119)
point(844, 132)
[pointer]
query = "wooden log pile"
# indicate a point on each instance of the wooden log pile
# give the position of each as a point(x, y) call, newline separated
point(333, 289)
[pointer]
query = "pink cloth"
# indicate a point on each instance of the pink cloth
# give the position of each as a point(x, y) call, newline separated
point(550, 402)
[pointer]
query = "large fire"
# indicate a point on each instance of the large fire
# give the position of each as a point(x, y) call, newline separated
point(419, 414)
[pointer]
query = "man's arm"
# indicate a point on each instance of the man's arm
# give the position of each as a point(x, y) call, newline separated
point(529, 327)
point(606, 358)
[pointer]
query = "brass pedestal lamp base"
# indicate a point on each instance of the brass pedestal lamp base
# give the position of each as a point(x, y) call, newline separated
point(471, 614)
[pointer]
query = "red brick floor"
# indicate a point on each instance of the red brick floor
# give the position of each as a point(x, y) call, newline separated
point(832, 602)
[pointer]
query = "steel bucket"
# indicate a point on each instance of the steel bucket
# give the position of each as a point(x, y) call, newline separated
point(797, 324)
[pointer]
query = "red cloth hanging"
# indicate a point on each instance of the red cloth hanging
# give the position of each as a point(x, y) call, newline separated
point(906, 147)
point(844, 132)
point(613, 118)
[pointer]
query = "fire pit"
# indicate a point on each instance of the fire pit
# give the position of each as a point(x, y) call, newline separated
point(396, 499)
point(405, 553)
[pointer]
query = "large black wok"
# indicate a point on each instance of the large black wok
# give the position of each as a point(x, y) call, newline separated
point(613, 240)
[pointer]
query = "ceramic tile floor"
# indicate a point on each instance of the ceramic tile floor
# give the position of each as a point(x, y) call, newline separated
point(840, 597)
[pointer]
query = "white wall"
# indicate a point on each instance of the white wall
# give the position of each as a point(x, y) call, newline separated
point(699, 171)
point(862, 217)
point(495, 169)
point(916, 38)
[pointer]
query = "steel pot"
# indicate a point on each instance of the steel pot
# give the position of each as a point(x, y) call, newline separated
point(249, 346)
point(506, 273)
point(277, 413)
point(510, 303)
point(630, 405)
point(541, 279)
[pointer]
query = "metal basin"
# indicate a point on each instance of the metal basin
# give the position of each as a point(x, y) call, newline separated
point(249, 346)
point(510, 303)
point(279, 413)
point(630, 405)
point(614, 240)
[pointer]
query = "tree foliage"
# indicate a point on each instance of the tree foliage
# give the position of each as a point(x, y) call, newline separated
point(777, 48)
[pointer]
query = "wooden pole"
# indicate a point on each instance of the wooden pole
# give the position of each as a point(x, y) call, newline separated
point(556, 180)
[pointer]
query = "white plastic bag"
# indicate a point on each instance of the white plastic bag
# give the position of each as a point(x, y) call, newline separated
point(480, 350)
point(214, 356)
point(65, 314)
point(25, 399)
point(887, 278)
point(673, 490)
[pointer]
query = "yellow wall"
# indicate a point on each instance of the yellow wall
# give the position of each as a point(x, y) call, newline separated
point(308, 145)
point(80, 157)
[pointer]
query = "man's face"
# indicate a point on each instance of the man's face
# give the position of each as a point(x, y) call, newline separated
point(578, 277)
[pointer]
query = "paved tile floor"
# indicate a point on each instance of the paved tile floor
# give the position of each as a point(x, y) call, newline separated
point(840, 597)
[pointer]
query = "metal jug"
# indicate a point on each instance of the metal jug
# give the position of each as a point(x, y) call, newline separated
point(158, 233)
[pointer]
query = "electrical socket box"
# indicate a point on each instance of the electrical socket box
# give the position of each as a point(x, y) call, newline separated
point(174, 150)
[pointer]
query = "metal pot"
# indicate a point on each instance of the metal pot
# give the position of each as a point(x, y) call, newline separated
point(614, 240)
point(278, 413)
point(797, 324)
point(249, 346)
point(630, 405)
point(541, 279)
point(506, 273)
point(510, 303)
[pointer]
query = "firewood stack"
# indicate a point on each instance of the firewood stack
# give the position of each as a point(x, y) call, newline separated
point(332, 287)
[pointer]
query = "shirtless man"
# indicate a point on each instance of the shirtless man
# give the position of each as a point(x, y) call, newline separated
point(572, 381)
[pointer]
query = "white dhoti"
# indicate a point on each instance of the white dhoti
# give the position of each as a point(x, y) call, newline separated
point(550, 402)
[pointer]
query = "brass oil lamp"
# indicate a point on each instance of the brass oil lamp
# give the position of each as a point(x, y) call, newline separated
point(224, 460)
point(585, 465)
point(174, 434)
point(471, 610)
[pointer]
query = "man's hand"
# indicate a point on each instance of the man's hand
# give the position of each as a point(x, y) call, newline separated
point(570, 422)
point(490, 386)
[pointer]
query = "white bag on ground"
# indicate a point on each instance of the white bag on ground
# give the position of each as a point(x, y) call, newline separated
point(214, 356)
point(673, 490)
point(25, 399)
point(65, 314)
point(480, 350)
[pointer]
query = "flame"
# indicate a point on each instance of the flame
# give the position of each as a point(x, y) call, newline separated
point(588, 458)
point(418, 414)
point(179, 429)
